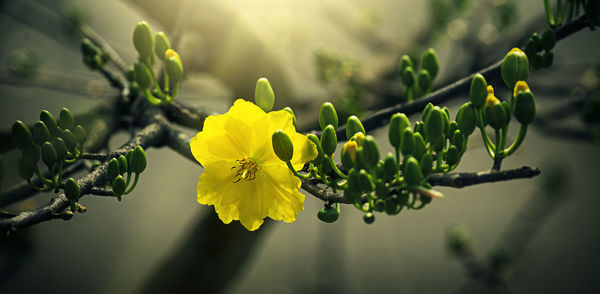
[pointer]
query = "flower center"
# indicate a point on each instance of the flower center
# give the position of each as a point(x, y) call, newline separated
point(245, 169)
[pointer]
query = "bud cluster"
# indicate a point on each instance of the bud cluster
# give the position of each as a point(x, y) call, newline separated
point(418, 84)
point(56, 143)
point(133, 162)
point(142, 74)
point(539, 49)
point(93, 57)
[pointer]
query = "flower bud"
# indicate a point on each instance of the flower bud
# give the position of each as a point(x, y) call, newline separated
point(129, 156)
point(317, 143)
point(80, 134)
point(494, 113)
point(60, 147)
point(408, 76)
point(48, 154)
point(40, 133)
point(264, 95)
point(426, 164)
point(548, 39)
point(353, 126)
point(328, 115)
point(142, 75)
point(507, 112)
point(430, 62)
point(349, 154)
point(370, 151)
point(531, 48)
point(282, 145)
point(353, 193)
point(72, 192)
point(161, 45)
point(478, 91)
point(50, 122)
point(398, 122)
point(390, 166)
point(70, 139)
point(525, 107)
point(434, 125)
point(290, 111)
point(408, 142)
point(113, 169)
point(118, 186)
point(420, 148)
point(138, 160)
point(142, 39)
point(391, 206)
point(458, 140)
point(328, 214)
point(21, 136)
point(25, 168)
point(412, 172)
point(123, 166)
point(426, 111)
point(419, 128)
point(365, 182)
point(378, 205)
point(465, 118)
point(452, 155)
point(405, 62)
point(515, 67)
point(89, 49)
point(66, 119)
point(368, 218)
point(175, 68)
point(424, 80)
point(329, 140)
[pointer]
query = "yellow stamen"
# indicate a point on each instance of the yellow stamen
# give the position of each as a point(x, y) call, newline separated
point(245, 169)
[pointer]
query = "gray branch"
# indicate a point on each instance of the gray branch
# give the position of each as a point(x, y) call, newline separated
point(459, 180)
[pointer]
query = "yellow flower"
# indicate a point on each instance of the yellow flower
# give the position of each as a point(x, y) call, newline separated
point(243, 178)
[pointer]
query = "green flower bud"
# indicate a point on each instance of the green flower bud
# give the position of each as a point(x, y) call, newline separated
point(453, 127)
point(424, 80)
point(60, 147)
point(525, 107)
point(72, 192)
point(419, 128)
point(378, 205)
point(161, 45)
point(49, 156)
point(458, 140)
point(507, 112)
point(452, 155)
point(390, 166)
point(398, 122)
point(175, 68)
point(142, 39)
point(329, 140)
point(365, 182)
point(459, 239)
point(419, 148)
point(21, 136)
point(405, 62)
point(89, 49)
point(264, 95)
point(282, 145)
point(353, 193)
point(66, 119)
point(290, 111)
point(353, 126)
point(515, 67)
point(129, 74)
point(328, 116)
point(408, 76)
point(129, 156)
point(369, 218)
point(412, 172)
point(426, 164)
point(317, 142)
point(531, 48)
point(328, 214)
point(465, 118)
point(50, 122)
point(70, 139)
point(391, 206)
point(370, 151)
point(494, 113)
point(434, 125)
point(25, 168)
point(118, 186)
point(113, 169)
point(138, 160)
point(142, 75)
point(478, 91)
point(123, 166)
point(349, 154)
point(430, 62)
point(408, 142)
point(426, 111)
point(40, 133)
point(548, 39)
point(80, 134)
point(537, 41)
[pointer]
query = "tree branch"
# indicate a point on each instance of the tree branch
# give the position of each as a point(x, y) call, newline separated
point(460, 180)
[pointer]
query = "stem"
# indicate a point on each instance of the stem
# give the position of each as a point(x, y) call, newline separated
point(518, 140)
point(137, 176)
point(302, 177)
point(548, 9)
point(45, 181)
point(335, 168)
point(166, 79)
point(154, 81)
point(489, 146)
point(151, 98)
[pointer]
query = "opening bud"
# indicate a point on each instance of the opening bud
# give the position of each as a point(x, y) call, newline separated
point(328, 115)
point(173, 65)
point(515, 67)
point(349, 154)
point(494, 113)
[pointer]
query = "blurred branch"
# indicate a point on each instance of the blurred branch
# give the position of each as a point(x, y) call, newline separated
point(460, 180)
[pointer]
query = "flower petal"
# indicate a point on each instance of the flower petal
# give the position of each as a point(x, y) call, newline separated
point(212, 189)
point(288, 201)
point(304, 150)
point(255, 201)
point(247, 111)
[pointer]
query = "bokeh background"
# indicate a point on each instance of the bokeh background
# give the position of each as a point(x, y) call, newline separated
point(550, 222)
